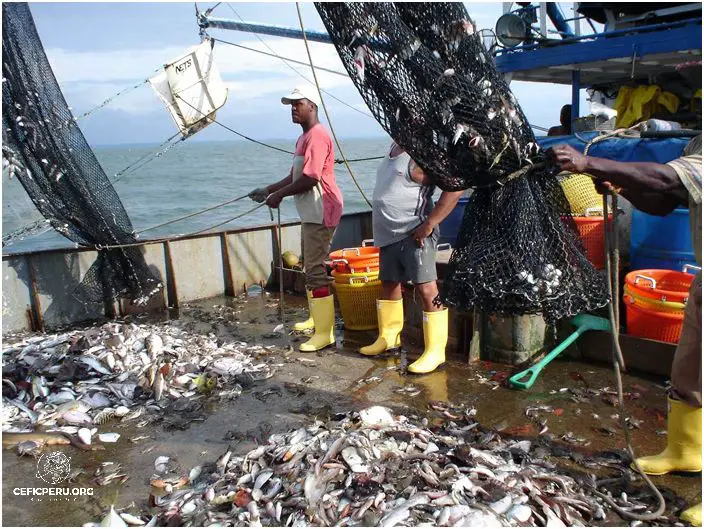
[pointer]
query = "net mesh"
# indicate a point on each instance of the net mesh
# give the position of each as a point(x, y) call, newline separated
point(45, 150)
point(426, 76)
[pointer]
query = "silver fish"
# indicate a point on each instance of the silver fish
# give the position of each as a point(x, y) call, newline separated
point(158, 386)
point(95, 364)
point(29, 413)
point(154, 345)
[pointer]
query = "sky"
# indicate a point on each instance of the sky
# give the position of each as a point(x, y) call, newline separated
point(99, 49)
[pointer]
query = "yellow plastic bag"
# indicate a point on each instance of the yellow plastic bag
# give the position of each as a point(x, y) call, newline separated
point(693, 105)
point(639, 103)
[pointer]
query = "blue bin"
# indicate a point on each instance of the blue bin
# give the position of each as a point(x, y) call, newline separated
point(450, 227)
point(662, 243)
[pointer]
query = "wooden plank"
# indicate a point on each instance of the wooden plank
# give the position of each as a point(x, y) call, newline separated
point(229, 284)
point(639, 354)
point(37, 316)
point(475, 344)
point(171, 289)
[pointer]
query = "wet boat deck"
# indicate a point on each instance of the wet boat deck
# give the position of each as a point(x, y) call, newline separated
point(309, 385)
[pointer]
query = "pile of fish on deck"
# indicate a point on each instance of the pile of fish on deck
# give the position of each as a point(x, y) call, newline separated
point(371, 468)
point(71, 384)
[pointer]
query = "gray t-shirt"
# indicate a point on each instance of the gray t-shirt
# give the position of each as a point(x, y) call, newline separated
point(399, 205)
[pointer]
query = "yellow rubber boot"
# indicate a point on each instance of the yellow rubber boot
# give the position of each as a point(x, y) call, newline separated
point(693, 515)
point(309, 323)
point(389, 313)
point(683, 452)
point(435, 335)
point(323, 312)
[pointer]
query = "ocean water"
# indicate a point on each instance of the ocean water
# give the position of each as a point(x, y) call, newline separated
point(191, 177)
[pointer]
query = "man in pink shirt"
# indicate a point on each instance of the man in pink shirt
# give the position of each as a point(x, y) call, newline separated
point(311, 181)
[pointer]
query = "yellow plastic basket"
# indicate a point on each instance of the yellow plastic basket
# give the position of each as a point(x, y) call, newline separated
point(580, 192)
point(357, 301)
point(632, 297)
point(346, 279)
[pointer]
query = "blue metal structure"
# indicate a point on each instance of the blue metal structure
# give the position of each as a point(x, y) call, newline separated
point(558, 19)
point(604, 56)
point(633, 54)
point(628, 55)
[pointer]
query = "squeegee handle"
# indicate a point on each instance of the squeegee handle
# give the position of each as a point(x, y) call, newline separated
point(517, 379)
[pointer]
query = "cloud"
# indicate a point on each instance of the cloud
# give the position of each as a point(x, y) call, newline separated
point(134, 64)
point(89, 76)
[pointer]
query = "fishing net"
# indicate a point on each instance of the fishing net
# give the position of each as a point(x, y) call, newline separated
point(45, 150)
point(426, 76)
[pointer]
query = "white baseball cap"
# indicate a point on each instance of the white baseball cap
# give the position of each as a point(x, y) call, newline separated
point(302, 92)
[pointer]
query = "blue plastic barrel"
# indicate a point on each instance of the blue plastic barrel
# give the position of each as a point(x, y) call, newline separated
point(662, 243)
point(450, 227)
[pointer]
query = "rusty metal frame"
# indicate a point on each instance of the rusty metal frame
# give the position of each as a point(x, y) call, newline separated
point(37, 318)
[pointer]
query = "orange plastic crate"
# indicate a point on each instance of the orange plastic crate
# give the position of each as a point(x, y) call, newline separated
point(648, 323)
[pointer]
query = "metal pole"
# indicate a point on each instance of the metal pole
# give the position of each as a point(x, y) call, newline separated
point(575, 95)
point(558, 20)
point(268, 29)
point(577, 21)
point(543, 18)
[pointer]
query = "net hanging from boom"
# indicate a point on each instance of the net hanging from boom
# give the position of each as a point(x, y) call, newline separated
point(425, 74)
point(46, 151)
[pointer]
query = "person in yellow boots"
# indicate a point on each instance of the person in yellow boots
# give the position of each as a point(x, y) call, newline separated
point(405, 225)
point(658, 189)
point(308, 324)
point(311, 180)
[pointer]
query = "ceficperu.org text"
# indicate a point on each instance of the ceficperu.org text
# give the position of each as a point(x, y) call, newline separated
point(53, 491)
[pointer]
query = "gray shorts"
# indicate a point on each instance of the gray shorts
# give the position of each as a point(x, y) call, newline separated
point(405, 261)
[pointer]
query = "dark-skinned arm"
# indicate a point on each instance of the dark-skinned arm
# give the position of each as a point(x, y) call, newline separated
point(273, 188)
point(301, 185)
point(260, 194)
point(659, 204)
point(635, 176)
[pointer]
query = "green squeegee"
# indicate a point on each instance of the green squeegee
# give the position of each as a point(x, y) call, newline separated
point(583, 322)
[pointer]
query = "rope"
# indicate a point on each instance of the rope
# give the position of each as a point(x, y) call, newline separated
point(282, 313)
point(612, 268)
point(34, 228)
point(611, 249)
point(317, 86)
point(107, 101)
point(104, 103)
point(150, 156)
point(299, 73)
point(618, 132)
point(336, 72)
point(167, 239)
point(211, 9)
point(342, 160)
point(266, 144)
point(233, 130)
point(192, 214)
